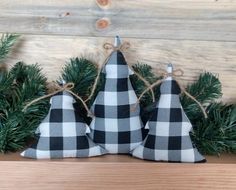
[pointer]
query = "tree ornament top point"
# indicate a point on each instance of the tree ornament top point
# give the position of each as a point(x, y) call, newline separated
point(169, 68)
point(117, 42)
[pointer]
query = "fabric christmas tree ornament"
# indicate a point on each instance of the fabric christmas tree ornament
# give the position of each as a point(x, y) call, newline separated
point(115, 127)
point(63, 133)
point(168, 138)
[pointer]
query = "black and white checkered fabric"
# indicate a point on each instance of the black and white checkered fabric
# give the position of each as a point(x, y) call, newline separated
point(168, 138)
point(63, 133)
point(114, 126)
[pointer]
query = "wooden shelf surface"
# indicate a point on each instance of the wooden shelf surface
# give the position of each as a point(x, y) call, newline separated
point(115, 172)
point(222, 159)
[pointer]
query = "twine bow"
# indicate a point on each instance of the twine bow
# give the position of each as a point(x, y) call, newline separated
point(67, 87)
point(122, 47)
point(175, 73)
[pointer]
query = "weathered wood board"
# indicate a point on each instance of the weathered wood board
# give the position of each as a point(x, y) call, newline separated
point(52, 52)
point(169, 19)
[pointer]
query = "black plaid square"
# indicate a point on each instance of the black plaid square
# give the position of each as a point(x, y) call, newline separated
point(150, 142)
point(154, 115)
point(120, 58)
point(82, 142)
point(174, 143)
point(56, 143)
point(99, 136)
point(79, 118)
point(175, 114)
point(175, 89)
point(124, 137)
point(56, 116)
point(123, 111)
point(99, 110)
point(122, 84)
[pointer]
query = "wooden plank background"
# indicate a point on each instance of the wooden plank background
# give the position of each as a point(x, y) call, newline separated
point(194, 35)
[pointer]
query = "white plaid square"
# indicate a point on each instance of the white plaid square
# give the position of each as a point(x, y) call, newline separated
point(162, 128)
point(108, 122)
point(165, 101)
point(110, 98)
point(188, 155)
point(69, 129)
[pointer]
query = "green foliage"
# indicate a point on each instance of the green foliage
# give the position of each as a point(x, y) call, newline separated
point(146, 72)
point(82, 73)
point(206, 90)
point(6, 43)
point(217, 133)
point(20, 85)
point(139, 86)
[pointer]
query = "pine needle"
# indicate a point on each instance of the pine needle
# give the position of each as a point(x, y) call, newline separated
point(20, 85)
point(206, 90)
point(6, 43)
point(217, 133)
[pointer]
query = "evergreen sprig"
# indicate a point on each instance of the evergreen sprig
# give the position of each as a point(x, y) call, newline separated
point(6, 43)
point(82, 72)
point(20, 85)
point(146, 72)
point(139, 86)
point(217, 133)
point(206, 90)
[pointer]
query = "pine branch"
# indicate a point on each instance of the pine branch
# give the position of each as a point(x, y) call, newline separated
point(146, 72)
point(82, 73)
point(6, 43)
point(206, 89)
point(25, 83)
point(217, 134)
point(146, 103)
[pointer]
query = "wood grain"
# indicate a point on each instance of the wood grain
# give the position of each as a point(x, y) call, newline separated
point(115, 172)
point(194, 57)
point(169, 19)
point(222, 159)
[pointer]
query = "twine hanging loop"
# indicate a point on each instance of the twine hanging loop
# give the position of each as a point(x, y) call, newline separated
point(175, 73)
point(57, 88)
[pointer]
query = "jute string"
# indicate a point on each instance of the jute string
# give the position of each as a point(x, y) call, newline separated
point(67, 87)
point(122, 47)
point(176, 73)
